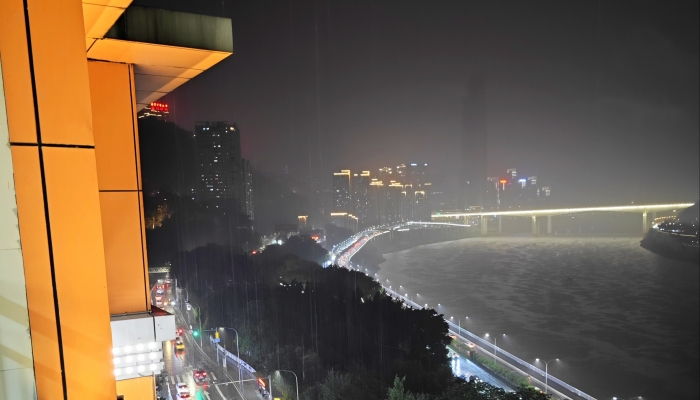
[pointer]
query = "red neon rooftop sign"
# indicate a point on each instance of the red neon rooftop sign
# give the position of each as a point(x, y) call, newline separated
point(161, 107)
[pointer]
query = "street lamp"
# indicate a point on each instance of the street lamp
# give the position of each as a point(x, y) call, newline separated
point(495, 345)
point(459, 323)
point(296, 380)
point(238, 354)
point(546, 372)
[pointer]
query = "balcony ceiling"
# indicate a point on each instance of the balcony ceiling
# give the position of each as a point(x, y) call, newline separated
point(167, 48)
point(99, 16)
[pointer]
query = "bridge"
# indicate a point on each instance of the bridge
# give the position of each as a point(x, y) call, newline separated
point(643, 209)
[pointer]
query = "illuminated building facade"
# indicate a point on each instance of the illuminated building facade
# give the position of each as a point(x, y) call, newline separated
point(302, 223)
point(395, 195)
point(361, 197)
point(412, 174)
point(76, 313)
point(344, 220)
point(342, 195)
point(510, 192)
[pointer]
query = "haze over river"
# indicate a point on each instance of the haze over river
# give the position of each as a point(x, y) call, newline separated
point(622, 320)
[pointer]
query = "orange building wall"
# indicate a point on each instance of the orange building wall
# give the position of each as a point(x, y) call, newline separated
point(116, 149)
point(137, 389)
point(37, 270)
point(15, 63)
point(58, 204)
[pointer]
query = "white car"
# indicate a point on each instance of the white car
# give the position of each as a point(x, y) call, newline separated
point(183, 392)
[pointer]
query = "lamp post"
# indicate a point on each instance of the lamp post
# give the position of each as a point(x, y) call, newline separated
point(546, 372)
point(495, 345)
point(238, 354)
point(296, 381)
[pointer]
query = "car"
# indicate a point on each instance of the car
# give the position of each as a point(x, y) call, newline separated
point(189, 307)
point(474, 378)
point(179, 344)
point(200, 375)
point(183, 391)
point(159, 290)
point(470, 345)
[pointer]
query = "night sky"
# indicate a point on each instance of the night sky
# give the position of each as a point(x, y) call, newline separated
point(598, 99)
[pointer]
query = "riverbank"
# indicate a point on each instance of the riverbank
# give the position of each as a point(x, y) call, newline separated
point(676, 247)
point(372, 254)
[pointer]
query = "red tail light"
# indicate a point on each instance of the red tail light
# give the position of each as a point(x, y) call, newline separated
point(205, 374)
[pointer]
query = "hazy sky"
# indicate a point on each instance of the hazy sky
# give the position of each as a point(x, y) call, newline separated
point(598, 99)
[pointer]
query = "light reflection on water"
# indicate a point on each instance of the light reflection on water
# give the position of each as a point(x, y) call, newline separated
point(623, 321)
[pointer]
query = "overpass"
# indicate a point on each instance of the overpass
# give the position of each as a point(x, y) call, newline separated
point(643, 209)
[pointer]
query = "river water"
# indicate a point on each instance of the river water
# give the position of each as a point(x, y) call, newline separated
point(623, 321)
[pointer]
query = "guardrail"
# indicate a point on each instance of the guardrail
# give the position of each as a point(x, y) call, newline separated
point(487, 344)
point(232, 356)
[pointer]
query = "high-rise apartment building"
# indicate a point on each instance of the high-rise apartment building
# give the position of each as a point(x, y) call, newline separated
point(407, 200)
point(76, 320)
point(510, 192)
point(377, 198)
point(361, 197)
point(218, 158)
point(413, 173)
point(248, 190)
point(392, 202)
point(342, 195)
point(344, 220)
point(422, 207)
point(385, 174)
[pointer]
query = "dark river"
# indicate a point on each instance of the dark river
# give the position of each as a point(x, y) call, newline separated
point(623, 321)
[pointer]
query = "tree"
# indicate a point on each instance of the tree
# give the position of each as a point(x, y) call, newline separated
point(397, 392)
point(336, 386)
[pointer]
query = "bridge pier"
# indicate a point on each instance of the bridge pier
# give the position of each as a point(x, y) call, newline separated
point(549, 224)
point(499, 223)
point(484, 225)
point(534, 225)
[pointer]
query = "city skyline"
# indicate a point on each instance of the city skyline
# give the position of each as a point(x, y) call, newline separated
point(571, 111)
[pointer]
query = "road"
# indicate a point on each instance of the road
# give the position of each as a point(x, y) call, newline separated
point(464, 368)
point(179, 365)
